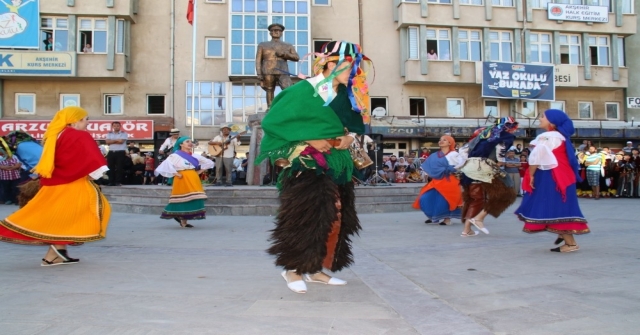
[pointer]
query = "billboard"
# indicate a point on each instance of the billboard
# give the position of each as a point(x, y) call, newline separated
point(581, 13)
point(136, 129)
point(20, 63)
point(20, 24)
point(518, 81)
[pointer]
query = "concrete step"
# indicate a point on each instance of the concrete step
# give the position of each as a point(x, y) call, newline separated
point(253, 210)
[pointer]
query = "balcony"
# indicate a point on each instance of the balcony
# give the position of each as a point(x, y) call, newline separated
point(601, 76)
point(94, 66)
point(439, 72)
point(121, 8)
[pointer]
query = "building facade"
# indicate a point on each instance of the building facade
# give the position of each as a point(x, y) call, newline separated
point(130, 60)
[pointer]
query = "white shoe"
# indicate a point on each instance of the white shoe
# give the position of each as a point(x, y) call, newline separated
point(332, 281)
point(297, 286)
point(483, 229)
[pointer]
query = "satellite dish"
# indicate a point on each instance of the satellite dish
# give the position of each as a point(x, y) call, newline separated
point(379, 112)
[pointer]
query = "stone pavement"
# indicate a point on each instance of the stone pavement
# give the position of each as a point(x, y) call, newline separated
point(151, 277)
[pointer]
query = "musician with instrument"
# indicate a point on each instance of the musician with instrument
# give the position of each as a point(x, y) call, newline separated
point(168, 144)
point(223, 148)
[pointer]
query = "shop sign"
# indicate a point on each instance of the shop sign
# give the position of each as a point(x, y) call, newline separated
point(633, 102)
point(136, 129)
point(28, 63)
point(581, 13)
point(566, 75)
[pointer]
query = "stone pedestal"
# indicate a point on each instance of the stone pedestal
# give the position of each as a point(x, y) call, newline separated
point(255, 173)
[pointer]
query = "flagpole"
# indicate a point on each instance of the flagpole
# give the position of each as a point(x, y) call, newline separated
point(193, 67)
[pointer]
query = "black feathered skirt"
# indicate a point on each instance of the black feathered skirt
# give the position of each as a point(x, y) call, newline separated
point(315, 223)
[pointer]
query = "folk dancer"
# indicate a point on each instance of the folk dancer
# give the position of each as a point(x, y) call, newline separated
point(485, 190)
point(550, 201)
point(187, 194)
point(441, 198)
point(308, 130)
point(69, 209)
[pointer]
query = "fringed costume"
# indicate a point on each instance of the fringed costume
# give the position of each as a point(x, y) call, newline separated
point(441, 198)
point(552, 205)
point(69, 208)
point(485, 187)
point(317, 215)
point(187, 194)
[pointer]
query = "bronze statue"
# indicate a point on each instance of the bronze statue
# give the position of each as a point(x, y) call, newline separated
point(271, 62)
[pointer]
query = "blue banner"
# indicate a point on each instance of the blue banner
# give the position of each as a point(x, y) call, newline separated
point(20, 24)
point(518, 81)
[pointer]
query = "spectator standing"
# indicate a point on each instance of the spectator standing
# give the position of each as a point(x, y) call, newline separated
point(518, 149)
point(593, 162)
point(392, 163)
point(584, 146)
point(627, 169)
point(628, 148)
point(9, 178)
point(524, 165)
point(635, 158)
point(226, 158)
point(511, 167)
point(149, 166)
point(117, 141)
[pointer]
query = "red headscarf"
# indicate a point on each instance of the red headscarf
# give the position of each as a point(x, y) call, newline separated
point(452, 142)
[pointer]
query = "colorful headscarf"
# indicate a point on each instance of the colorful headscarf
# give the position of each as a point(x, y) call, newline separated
point(176, 146)
point(61, 120)
point(452, 142)
point(564, 126)
point(16, 137)
point(492, 132)
point(357, 87)
point(5, 149)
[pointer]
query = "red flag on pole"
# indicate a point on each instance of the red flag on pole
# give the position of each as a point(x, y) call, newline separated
point(190, 12)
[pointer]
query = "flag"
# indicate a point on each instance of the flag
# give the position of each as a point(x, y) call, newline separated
point(190, 12)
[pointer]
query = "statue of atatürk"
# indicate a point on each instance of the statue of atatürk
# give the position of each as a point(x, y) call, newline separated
point(271, 62)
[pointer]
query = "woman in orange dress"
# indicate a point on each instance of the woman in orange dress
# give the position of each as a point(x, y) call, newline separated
point(69, 208)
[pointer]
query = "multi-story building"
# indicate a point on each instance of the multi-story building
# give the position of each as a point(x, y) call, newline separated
point(130, 60)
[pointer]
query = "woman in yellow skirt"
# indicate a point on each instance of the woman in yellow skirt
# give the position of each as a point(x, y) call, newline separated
point(69, 208)
point(187, 195)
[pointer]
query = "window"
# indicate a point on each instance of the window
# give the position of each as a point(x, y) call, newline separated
point(627, 6)
point(414, 44)
point(500, 43)
point(599, 50)
point(621, 57)
point(440, 1)
point(612, 110)
point(438, 44)
point(503, 3)
point(471, 2)
point(322, 2)
point(25, 103)
point(214, 47)
point(113, 104)
point(540, 48)
point(249, 22)
point(247, 99)
point(418, 106)
point(492, 108)
point(455, 107)
point(210, 106)
point(557, 105)
point(54, 34)
point(215, 1)
point(528, 109)
point(318, 44)
point(541, 3)
point(470, 42)
point(570, 49)
point(67, 100)
point(120, 36)
point(378, 102)
point(584, 110)
point(570, 2)
point(603, 3)
point(416, 1)
point(155, 104)
point(92, 36)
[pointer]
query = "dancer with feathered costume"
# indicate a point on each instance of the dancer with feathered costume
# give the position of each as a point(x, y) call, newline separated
point(486, 190)
point(308, 130)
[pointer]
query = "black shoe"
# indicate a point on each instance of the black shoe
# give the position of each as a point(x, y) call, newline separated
point(69, 259)
point(558, 240)
point(428, 221)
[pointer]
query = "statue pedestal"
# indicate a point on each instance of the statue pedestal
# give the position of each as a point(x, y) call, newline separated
point(255, 173)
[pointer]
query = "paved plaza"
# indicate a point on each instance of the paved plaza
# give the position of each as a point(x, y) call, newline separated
point(152, 277)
